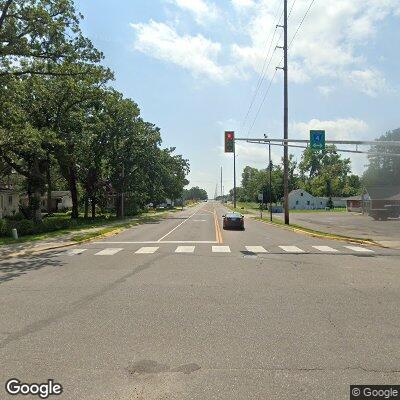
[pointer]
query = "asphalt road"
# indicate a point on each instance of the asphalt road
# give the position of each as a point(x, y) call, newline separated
point(180, 309)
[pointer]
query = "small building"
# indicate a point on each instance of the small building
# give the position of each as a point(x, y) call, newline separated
point(9, 202)
point(61, 200)
point(383, 196)
point(299, 199)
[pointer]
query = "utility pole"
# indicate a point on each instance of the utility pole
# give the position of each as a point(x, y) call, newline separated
point(285, 110)
point(234, 177)
point(286, 115)
point(270, 181)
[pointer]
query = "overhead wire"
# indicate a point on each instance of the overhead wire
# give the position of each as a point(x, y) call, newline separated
point(273, 76)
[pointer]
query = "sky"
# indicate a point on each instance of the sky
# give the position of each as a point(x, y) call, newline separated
point(199, 67)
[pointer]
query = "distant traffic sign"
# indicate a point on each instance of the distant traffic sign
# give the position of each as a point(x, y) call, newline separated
point(317, 140)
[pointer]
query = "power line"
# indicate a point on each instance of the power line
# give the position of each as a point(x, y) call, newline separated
point(291, 42)
point(263, 70)
point(302, 21)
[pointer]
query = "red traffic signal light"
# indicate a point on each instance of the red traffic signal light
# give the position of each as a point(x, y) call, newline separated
point(229, 142)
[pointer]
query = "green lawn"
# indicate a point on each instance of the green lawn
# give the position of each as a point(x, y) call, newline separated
point(106, 223)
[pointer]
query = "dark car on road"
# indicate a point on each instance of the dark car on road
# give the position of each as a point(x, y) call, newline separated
point(233, 220)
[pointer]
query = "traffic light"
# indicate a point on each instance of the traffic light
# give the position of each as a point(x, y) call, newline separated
point(229, 142)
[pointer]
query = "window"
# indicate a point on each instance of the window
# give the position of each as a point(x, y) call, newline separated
point(10, 200)
point(301, 194)
point(308, 202)
point(297, 202)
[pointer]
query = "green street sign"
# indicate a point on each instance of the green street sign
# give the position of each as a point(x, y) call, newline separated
point(317, 140)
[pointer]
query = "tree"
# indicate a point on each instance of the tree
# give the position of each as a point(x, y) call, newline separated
point(195, 193)
point(384, 169)
point(324, 172)
point(37, 36)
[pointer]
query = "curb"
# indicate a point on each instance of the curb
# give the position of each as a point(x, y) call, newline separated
point(24, 253)
point(323, 235)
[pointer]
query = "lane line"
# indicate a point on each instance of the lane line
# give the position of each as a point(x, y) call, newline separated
point(147, 250)
point(108, 252)
point(256, 249)
point(359, 249)
point(172, 230)
point(326, 249)
point(221, 249)
point(218, 234)
point(291, 249)
point(185, 249)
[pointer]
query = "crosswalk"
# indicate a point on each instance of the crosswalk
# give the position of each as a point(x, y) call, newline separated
point(224, 249)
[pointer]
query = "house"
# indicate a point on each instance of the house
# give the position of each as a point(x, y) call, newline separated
point(354, 204)
point(299, 199)
point(9, 202)
point(61, 200)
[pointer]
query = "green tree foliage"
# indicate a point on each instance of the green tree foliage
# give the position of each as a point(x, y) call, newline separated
point(61, 119)
point(195, 193)
point(325, 173)
point(384, 169)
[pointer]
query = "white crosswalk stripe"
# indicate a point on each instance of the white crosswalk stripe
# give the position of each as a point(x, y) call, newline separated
point(221, 249)
point(108, 252)
point(185, 249)
point(256, 249)
point(291, 249)
point(326, 249)
point(359, 249)
point(147, 250)
point(75, 252)
point(190, 249)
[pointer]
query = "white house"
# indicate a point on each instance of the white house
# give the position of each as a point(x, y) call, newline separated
point(9, 202)
point(299, 199)
point(61, 200)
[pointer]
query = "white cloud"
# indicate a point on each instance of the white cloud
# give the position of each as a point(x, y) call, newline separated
point(326, 90)
point(242, 5)
point(193, 53)
point(329, 43)
point(203, 11)
point(339, 129)
point(369, 81)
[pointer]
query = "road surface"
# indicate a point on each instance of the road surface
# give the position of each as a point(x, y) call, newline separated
point(180, 309)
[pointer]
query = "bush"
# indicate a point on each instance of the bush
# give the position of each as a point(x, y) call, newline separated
point(3, 227)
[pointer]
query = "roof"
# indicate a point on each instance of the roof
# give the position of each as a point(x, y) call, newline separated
point(387, 192)
point(354, 198)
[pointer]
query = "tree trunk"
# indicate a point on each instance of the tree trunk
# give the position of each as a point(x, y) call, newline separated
point(93, 201)
point(48, 179)
point(86, 206)
point(118, 205)
point(35, 204)
point(74, 192)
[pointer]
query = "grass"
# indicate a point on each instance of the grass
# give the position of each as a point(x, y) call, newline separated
point(110, 224)
point(251, 207)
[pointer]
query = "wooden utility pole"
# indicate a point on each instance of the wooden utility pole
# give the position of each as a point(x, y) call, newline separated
point(286, 114)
